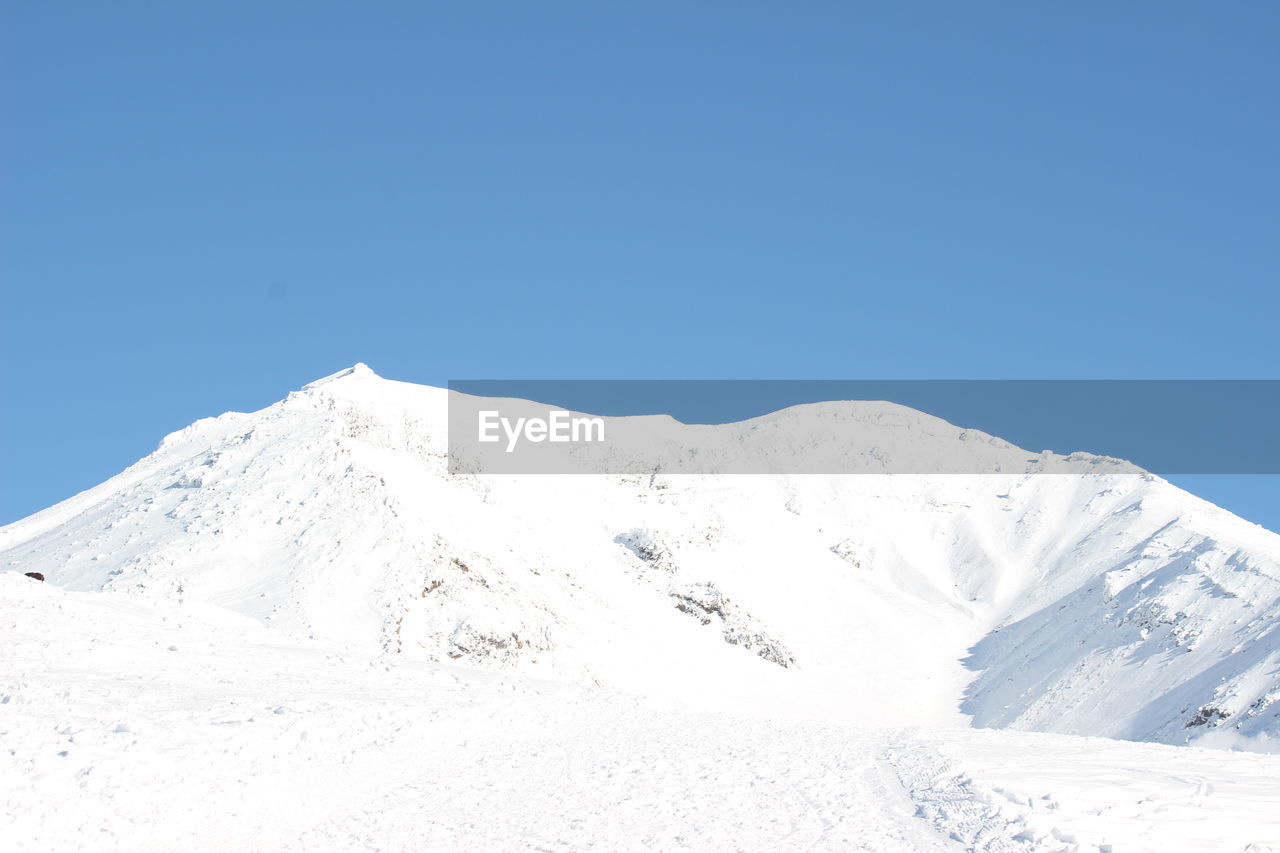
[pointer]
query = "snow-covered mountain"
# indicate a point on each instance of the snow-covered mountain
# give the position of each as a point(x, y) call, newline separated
point(1104, 603)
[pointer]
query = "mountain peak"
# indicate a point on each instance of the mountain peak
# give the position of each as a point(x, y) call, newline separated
point(359, 370)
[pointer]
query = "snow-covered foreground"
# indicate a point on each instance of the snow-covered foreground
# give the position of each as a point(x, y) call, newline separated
point(135, 727)
point(1005, 790)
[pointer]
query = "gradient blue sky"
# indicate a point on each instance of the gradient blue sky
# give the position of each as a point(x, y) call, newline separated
point(205, 205)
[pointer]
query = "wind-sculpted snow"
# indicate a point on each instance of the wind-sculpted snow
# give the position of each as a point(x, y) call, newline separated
point(1105, 603)
point(1175, 642)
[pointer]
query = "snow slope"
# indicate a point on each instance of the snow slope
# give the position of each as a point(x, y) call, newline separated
point(183, 727)
point(343, 611)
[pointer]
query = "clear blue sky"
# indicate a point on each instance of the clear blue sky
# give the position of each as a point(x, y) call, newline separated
point(205, 205)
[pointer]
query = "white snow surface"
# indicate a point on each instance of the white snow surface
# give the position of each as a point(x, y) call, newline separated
point(294, 630)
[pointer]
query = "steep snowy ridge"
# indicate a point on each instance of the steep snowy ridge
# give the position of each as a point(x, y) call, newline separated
point(1107, 603)
point(1175, 642)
